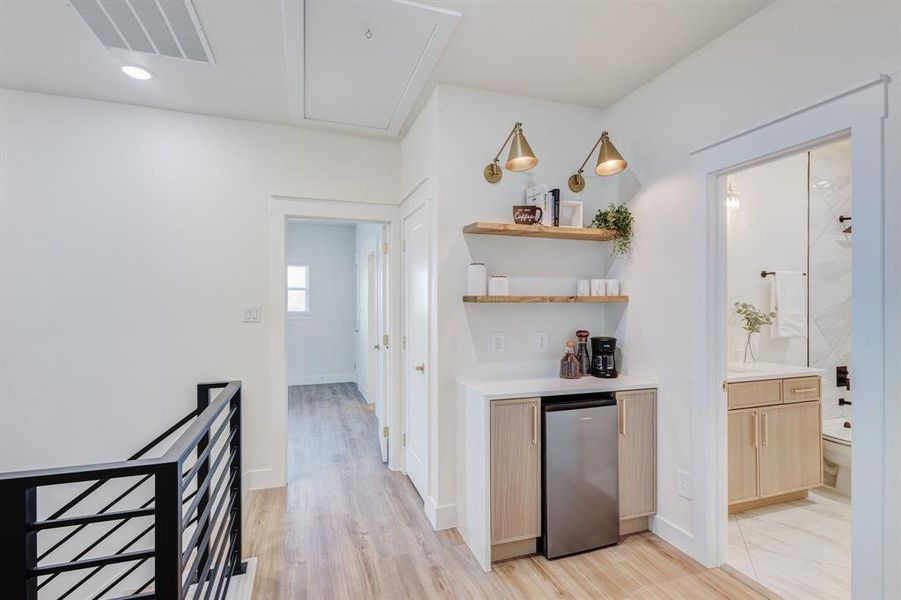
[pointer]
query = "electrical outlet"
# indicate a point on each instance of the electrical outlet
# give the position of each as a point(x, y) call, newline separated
point(252, 314)
point(497, 343)
point(541, 341)
point(683, 484)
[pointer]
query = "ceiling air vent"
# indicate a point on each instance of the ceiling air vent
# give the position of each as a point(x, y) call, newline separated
point(164, 27)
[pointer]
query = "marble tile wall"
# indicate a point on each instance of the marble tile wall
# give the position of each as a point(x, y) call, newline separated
point(830, 269)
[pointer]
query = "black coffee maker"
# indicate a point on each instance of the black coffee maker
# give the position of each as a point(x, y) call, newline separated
point(603, 360)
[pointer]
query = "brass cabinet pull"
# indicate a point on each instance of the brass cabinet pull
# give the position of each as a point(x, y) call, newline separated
point(622, 418)
point(766, 431)
point(803, 390)
point(756, 441)
point(535, 423)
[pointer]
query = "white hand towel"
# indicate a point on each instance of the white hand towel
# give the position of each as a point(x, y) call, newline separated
point(789, 300)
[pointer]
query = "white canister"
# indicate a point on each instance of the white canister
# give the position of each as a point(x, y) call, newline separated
point(476, 279)
point(598, 287)
point(498, 285)
point(613, 287)
point(583, 287)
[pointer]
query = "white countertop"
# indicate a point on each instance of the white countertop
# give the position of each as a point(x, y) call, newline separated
point(501, 389)
point(755, 371)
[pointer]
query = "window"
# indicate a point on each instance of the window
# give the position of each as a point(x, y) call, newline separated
point(298, 289)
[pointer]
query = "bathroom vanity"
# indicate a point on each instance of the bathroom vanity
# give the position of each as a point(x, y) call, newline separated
point(499, 459)
point(774, 433)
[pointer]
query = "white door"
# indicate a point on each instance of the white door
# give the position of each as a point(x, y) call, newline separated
point(416, 330)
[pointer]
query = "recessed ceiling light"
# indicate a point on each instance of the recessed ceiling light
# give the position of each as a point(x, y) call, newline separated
point(137, 72)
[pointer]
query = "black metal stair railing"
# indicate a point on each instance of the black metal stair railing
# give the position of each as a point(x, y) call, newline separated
point(195, 509)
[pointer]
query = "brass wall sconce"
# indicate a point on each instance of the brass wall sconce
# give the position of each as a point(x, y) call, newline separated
point(610, 162)
point(521, 157)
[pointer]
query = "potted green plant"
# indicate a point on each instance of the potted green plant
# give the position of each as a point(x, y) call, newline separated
point(618, 218)
point(753, 319)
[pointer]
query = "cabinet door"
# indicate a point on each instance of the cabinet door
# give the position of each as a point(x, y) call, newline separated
point(515, 470)
point(743, 442)
point(791, 451)
point(637, 453)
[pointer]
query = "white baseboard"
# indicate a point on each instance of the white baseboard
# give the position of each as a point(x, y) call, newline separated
point(674, 534)
point(364, 391)
point(441, 517)
point(313, 379)
point(261, 479)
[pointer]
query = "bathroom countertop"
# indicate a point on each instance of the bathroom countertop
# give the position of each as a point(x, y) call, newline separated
point(501, 389)
point(755, 371)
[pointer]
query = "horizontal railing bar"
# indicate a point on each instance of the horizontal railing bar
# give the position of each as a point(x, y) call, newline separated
point(88, 519)
point(207, 520)
point(74, 532)
point(206, 484)
point(226, 424)
point(215, 554)
point(225, 569)
point(120, 578)
point(140, 596)
point(91, 562)
point(79, 473)
point(191, 436)
point(84, 494)
point(96, 570)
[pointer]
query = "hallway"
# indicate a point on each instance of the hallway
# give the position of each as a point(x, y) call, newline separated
point(347, 527)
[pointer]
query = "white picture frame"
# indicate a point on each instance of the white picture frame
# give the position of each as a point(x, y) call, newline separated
point(571, 213)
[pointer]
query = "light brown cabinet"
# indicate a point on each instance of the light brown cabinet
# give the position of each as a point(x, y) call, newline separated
point(743, 455)
point(775, 447)
point(637, 411)
point(790, 450)
point(515, 470)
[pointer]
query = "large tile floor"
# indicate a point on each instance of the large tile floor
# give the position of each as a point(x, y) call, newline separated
point(799, 549)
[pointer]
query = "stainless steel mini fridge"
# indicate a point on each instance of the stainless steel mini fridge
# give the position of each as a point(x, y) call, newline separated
point(580, 464)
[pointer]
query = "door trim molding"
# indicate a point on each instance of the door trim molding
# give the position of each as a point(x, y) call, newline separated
point(857, 110)
point(282, 208)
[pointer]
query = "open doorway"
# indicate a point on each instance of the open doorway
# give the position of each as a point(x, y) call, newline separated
point(336, 318)
point(788, 381)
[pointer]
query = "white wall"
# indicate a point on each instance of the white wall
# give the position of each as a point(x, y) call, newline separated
point(321, 345)
point(786, 57)
point(367, 240)
point(768, 233)
point(453, 139)
point(129, 240)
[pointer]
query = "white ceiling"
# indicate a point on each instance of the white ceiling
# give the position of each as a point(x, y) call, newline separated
point(584, 52)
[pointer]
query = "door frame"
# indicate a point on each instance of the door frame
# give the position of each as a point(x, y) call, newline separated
point(373, 343)
point(858, 111)
point(420, 197)
point(281, 209)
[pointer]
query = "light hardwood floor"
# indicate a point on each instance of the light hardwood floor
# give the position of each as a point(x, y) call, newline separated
point(346, 527)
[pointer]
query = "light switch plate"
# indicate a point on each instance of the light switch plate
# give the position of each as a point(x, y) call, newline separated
point(541, 343)
point(683, 483)
point(252, 313)
point(497, 343)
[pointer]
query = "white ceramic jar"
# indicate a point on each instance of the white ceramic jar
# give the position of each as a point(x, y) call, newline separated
point(498, 285)
point(476, 279)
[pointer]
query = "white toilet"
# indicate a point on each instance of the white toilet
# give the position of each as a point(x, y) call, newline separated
point(837, 454)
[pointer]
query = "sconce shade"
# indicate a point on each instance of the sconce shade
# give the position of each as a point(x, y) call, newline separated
point(521, 157)
point(610, 161)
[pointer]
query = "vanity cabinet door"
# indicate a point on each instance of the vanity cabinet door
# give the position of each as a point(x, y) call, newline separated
point(743, 442)
point(515, 470)
point(791, 451)
point(637, 453)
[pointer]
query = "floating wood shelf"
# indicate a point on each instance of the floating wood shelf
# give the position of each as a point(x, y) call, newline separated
point(541, 231)
point(544, 299)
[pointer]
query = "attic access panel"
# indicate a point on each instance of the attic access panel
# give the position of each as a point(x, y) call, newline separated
point(365, 62)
